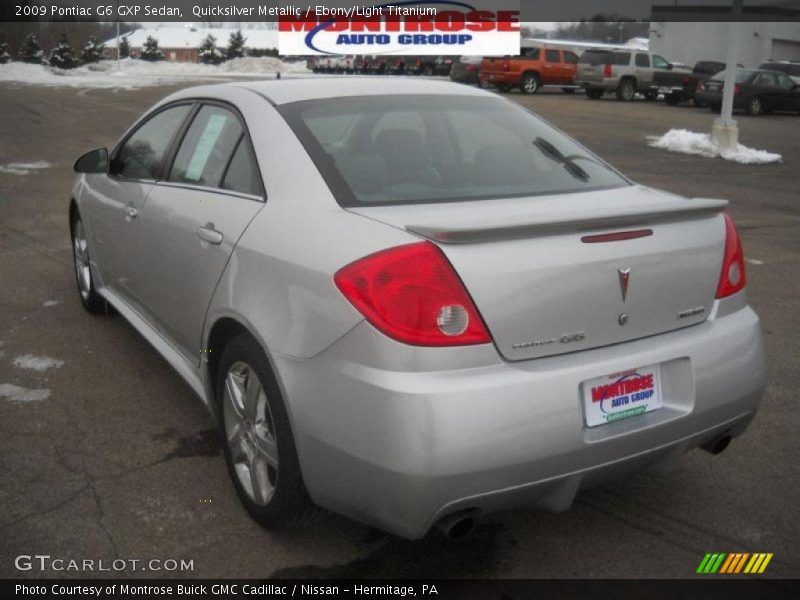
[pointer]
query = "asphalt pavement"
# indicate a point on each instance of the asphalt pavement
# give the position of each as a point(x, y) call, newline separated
point(120, 460)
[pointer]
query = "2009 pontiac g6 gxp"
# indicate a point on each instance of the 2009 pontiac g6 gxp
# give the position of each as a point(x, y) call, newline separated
point(413, 302)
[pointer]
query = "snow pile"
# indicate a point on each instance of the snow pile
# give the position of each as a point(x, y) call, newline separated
point(689, 142)
point(21, 168)
point(15, 393)
point(135, 73)
point(37, 363)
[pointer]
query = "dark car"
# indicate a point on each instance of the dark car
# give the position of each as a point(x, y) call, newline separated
point(467, 69)
point(756, 91)
point(678, 84)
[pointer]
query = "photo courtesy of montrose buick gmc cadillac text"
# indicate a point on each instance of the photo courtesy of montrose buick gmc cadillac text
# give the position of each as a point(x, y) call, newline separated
point(413, 302)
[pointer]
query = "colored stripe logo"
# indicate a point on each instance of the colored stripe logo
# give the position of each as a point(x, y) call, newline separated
point(734, 563)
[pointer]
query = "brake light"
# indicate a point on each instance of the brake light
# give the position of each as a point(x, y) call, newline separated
point(736, 89)
point(732, 277)
point(413, 295)
point(471, 68)
point(607, 71)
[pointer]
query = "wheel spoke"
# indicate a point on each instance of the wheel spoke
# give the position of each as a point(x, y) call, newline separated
point(252, 396)
point(234, 390)
point(267, 446)
point(259, 479)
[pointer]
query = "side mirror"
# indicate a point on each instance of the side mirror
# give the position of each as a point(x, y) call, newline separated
point(95, 161)
point(669, 66)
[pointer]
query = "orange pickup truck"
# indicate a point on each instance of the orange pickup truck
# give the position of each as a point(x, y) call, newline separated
point(529, 72)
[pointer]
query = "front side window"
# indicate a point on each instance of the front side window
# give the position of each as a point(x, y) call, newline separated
point(659, 62)
point(141, 155)
point(426, 148)
point(642, 60)
point(551, 56)
point(207, 147)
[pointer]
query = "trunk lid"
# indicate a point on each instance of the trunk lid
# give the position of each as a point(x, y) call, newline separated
point(544, 289)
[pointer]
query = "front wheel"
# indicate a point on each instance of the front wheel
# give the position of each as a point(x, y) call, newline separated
point(530, 83)
point(257, 438)
point(91, 300)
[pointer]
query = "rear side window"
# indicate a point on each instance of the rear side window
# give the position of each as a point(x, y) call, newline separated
point(660, 62)
point(767, 79)
point(593, 57)
point(141, 155)
point(242, 173)
point(551, 56)
point(785, 81)
point(207, 147)
point(570, 57)
point(642, 60)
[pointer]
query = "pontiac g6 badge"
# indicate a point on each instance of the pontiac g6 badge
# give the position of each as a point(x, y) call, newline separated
point(624, 278)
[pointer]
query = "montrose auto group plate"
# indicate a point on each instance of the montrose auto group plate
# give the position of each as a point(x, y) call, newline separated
point(621, 395)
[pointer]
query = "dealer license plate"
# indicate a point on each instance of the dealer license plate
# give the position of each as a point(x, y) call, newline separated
point(621, 395)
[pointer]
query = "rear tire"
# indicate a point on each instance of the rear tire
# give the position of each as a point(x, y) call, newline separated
point(626, 90)
point(530, 83)
point(91, 300)
point(755, 107)
point(672, 99)
point(257, 438)
point(594, 94)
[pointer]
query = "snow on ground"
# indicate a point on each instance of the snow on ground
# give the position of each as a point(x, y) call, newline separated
point(49, 303)
point(134, 73)
point(15, 393)
point(689, 142)
point(21, 168)
point(37, 363)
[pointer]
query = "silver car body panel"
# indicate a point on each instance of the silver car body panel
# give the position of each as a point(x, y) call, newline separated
point(399, 436)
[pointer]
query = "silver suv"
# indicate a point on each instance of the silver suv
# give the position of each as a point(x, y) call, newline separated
point(624, 72)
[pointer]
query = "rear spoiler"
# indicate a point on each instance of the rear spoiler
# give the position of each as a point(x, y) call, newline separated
point(625, 217)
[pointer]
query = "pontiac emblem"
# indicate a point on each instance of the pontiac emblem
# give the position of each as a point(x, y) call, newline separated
point(624, 278)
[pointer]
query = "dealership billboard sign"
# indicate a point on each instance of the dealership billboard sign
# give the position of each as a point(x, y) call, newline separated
point(421, 28)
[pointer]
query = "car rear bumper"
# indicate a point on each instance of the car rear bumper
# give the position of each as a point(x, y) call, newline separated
point(402, 447)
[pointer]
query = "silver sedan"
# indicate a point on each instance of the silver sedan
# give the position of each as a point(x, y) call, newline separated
point(414, 302)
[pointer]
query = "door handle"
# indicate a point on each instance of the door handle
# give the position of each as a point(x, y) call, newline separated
point(131, 212)
point(207, 233)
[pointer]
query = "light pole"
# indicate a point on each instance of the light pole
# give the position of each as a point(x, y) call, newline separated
point(724, 131)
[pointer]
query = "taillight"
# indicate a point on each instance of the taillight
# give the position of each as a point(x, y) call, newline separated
point(412, 294)
point(607, 71)
point(732, 278)
point(737, 88)
point(471, 68)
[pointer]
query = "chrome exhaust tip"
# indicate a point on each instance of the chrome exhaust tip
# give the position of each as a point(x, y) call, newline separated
point(456, 525)
point(717, 445)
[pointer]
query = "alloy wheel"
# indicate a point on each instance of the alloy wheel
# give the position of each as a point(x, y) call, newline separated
point(755, 106)
point(250, 432)
point(530, 85)
point(81, 253)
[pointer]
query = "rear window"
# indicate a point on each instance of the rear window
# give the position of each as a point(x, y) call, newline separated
point(602, 57)
point(433, 148)
point(708, 68)
point(791, 69)
point(741, 75)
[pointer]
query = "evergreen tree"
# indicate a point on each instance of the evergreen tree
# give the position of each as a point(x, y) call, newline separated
point(150, 51)
point(124, 47)
point(5, 50)
point(93, 50)
point(31, 51)
point(208, 53)
point(63, 56)
point(236, 45)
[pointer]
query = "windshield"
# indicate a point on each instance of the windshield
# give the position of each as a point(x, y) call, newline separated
point(741, 75)
point(418, 149)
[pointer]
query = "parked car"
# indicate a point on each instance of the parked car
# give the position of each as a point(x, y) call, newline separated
point(412, 302)
point(789, 67)
point(537, 67)
point(624, 72)
point(400, 65)
point(466, 69)
point(756, 91)
point(677, 84)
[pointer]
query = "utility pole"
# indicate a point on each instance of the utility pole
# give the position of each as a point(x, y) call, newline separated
point(725, 131)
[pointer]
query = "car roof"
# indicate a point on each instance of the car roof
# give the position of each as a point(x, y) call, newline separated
point(283, 91)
